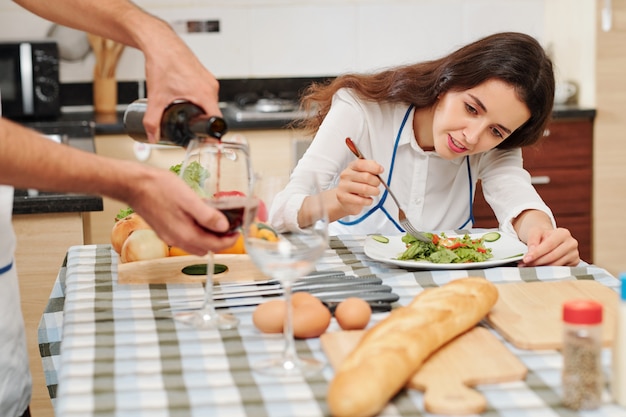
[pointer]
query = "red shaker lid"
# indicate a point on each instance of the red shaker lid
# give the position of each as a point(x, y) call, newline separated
point(582, 312)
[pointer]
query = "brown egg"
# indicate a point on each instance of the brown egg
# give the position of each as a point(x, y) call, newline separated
point(310, 320)
point(353, 313)
point(302, 297)
point(270, 316)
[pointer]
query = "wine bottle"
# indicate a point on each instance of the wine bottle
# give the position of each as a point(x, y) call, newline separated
point(181, 122)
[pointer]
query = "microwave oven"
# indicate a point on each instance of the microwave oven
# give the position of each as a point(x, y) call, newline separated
point(29, 79)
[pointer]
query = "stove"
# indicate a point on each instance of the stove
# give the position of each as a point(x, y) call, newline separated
point(264, 102)
point(252, 108)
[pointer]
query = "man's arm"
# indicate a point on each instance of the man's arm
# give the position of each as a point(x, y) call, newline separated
point(172, 70)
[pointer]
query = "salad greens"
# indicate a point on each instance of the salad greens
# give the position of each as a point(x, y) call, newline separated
point(194, 175)
point(443, 249)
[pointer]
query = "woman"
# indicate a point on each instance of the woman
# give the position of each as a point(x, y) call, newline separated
point(432, 130)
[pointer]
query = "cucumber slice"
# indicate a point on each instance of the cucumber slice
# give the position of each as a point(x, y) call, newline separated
point(491, 236)
point(201, 269)
point(380, 238)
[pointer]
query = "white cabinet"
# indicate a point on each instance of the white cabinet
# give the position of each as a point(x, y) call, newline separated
point(273, 151)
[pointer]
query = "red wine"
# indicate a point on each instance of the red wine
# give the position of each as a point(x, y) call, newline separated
point(234, 208)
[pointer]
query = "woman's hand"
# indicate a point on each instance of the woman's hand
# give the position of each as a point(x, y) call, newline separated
point(550, 247)
point(357, 185)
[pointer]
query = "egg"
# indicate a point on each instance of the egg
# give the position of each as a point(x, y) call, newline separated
point(270, 316)
point(310, 320)
point(302, 297)
point(353, 313)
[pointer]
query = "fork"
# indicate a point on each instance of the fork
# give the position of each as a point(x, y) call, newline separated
point(404, 221)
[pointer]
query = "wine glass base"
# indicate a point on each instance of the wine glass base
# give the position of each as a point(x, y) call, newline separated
point(206, 320)
point(289, 367)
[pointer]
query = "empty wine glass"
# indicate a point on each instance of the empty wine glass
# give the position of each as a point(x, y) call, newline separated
point(288, 258)
point(221, 174)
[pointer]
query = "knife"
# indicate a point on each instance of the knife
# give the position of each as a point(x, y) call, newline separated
point(379, 301)
point(312, 277)
point(312, 284)
point(317, 291)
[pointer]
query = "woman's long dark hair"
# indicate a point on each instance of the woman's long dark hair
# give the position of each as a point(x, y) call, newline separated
point(515, 58)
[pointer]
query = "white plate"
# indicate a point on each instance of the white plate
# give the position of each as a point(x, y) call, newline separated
point(505, 250)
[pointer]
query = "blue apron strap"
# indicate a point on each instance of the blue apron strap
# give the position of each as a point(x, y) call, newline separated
point(6, 268)
point(471, 195)
point(380, 203)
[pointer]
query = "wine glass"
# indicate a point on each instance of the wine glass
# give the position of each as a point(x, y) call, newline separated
point(220, 172)
point(288, 257)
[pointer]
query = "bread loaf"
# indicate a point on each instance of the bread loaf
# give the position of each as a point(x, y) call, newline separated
point(392, 351)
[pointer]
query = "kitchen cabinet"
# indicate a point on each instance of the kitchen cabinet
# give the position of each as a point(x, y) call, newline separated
point(42, 241)
point(273, 151)
point(561, 167)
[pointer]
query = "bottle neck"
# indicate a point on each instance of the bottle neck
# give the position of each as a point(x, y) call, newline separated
point(208, 126)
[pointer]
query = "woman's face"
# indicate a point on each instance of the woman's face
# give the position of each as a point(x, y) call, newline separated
point(476, 120)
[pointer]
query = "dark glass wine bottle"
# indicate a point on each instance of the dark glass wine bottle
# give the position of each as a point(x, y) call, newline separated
point(181, 122)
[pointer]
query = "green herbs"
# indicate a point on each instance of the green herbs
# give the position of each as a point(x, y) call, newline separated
point(124, 213)
point(445, 250)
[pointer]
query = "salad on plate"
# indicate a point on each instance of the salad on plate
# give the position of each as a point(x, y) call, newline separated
point(448, 250)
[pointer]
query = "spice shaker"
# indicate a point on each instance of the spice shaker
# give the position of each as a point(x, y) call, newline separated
point(181, 121)
point(618, 361)
point(582, 350)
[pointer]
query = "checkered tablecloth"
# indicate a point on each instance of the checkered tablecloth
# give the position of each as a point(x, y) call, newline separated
point(113, 350)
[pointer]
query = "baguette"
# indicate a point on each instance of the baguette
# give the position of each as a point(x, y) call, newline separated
point(392, 351)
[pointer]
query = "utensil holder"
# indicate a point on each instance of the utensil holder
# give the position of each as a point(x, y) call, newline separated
point(105, 95)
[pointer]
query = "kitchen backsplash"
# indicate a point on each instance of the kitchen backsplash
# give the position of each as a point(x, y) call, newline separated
point(308, 38)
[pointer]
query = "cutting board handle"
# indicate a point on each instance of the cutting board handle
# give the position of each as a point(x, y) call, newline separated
point(450, 397)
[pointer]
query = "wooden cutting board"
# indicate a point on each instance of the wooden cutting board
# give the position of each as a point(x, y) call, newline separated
point(529, 314)
point(475, 357)
point(169, 270)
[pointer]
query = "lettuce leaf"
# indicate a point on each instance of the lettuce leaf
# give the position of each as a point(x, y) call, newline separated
point(194, 175)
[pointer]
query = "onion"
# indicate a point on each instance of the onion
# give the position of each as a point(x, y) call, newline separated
point(143, 244)
point(124, 227)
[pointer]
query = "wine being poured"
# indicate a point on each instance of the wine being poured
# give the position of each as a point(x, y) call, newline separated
point(220, 172)
point(235, 208)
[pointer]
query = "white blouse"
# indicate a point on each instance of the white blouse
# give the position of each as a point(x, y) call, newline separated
point(435, 193)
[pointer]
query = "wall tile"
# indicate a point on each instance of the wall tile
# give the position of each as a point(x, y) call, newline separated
point(396, 33)
point(482, 17)
point(302, 40)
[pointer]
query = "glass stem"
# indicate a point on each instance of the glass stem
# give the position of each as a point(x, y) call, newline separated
point(207, 305)
point(289, 353)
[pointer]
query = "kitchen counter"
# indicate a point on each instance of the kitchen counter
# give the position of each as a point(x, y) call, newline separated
point(562, 112)
point(77, 100)
point(40, 203)
point(78, 133)
point(114, 123)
